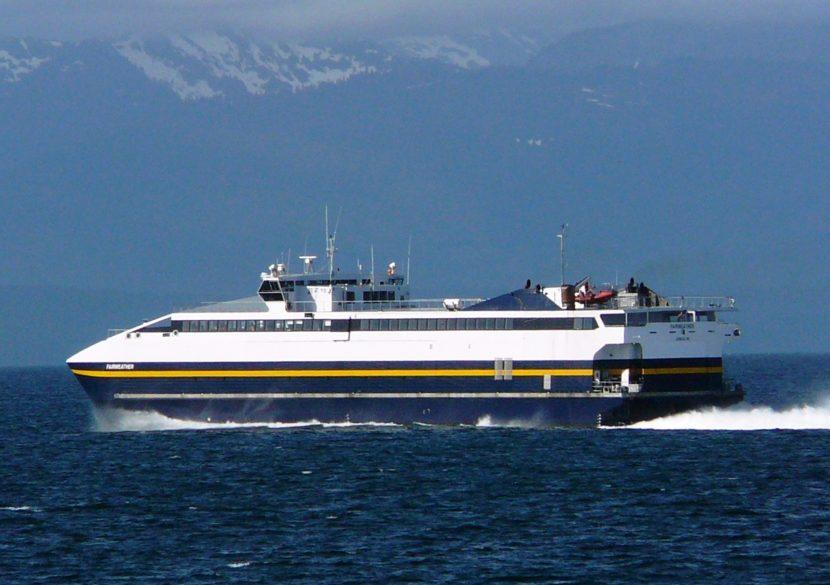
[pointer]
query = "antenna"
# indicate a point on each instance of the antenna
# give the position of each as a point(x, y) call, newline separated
point(561, 237)
point(372, 252)
point(408, 257)
point(331, 238)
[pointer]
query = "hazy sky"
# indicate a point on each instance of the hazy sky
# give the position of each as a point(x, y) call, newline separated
point(74, 19)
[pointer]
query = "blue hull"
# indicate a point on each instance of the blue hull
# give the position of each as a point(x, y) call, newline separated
point(566, 409)
point(220, 393)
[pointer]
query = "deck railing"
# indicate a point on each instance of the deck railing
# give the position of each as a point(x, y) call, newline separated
point(694, 303)
point(397, 305)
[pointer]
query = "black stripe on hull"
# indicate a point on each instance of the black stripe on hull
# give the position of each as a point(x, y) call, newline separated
point(103, 390)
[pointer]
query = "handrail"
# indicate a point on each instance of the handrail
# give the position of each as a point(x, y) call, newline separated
point(396, 305)
point(694, 303)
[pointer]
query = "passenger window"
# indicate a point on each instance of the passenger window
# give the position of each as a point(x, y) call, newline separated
point(431, 324)
point(241, 325)
point(393, 324)
point(508, 323)
point(636, 319)
point(422, 324)
point(269, 325)
point(223, 325)
point(231, 325)
point(260, 325)
point(499, 323)
point(364, 324)
point(451, 324)
point(490, 324)
point(481, 323)
point(441, 324)
point(203, 325)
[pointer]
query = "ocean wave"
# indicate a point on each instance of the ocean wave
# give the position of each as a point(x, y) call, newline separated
point(743, 418)
point(19, 509)
point(118, 420)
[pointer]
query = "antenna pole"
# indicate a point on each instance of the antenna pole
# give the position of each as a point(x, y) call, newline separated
point(372, 253)
point(561, 237)
point(329, 252)
point(408, 257)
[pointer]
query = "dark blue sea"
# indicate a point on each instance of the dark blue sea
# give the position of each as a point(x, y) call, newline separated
point(741, 495)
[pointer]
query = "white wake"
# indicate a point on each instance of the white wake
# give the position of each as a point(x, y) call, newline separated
point(744, 418)
point(118, 420)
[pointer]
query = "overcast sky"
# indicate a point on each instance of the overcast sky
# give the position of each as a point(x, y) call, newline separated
point(77, 19)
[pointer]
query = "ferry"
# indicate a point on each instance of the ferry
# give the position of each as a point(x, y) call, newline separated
point(327, 346)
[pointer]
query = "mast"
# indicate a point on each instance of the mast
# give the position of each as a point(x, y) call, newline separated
point(408, 256)
point(331, 240)
point(561, 237)
point(372, 252)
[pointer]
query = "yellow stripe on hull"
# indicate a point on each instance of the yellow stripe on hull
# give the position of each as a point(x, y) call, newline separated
point(692, 370)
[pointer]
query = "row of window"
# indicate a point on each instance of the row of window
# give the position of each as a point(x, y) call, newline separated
point(455, 324)
point(640, 319)
point(635, 319)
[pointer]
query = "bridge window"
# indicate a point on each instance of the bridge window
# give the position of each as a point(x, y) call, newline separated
point(658, 317)
point(637, 319)
point(613, 319)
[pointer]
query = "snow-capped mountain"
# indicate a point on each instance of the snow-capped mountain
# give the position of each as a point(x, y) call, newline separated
point(206, 65)
point(19, 57)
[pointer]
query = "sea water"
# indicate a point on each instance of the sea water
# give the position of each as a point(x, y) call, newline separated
point(713, 495)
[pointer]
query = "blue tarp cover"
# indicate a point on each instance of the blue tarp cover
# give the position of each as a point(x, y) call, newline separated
point(519, 300)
